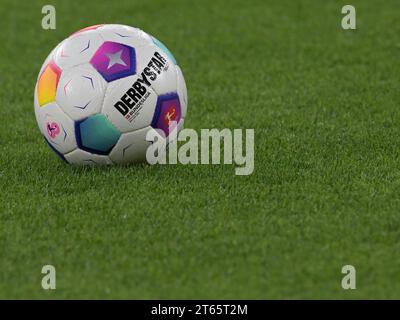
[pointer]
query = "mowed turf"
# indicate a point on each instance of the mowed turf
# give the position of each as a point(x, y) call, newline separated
point(324, 103)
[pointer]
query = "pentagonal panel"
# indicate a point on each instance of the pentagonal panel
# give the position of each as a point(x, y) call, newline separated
point(168, 113)
point(129, 103)
point(81, 157)
point(154, 66)
point(131, 147)
point(114, 61)
point(80, 92)
point(182, 91)
point(57, 128)
point(77, 49)
point(47, 83)
point(96, 134)
point(129, 36)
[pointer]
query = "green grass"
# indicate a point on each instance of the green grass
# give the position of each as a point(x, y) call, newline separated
point(325, 192)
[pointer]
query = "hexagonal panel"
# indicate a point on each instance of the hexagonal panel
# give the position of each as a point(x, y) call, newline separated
point(157, 68)
point(47, 84)
point(168, 111)
point(129, 104)
point(77, 49)
point(80, 92)
point(131, 147)
point(96, 134)
point(114, 61)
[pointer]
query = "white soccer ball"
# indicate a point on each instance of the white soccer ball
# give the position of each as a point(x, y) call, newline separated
point(102, 89)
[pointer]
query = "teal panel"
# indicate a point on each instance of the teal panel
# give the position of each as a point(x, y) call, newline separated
point(97, 134)
point(161, 45)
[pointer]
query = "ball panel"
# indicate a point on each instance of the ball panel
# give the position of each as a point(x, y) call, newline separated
point(130, 36)
point(129, 104)
point(47, 84)
point(77, 49)
point(96, 134)
point(57, 128)
point(114, 61)
point(167, 114)
point(80, 92)
point(81, 157)
point(131, 147)
point(155, 66)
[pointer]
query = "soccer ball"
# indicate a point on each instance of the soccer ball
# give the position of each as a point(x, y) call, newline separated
point(102, 89)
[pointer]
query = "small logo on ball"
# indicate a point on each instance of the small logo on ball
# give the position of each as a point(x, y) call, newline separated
point(53, 129)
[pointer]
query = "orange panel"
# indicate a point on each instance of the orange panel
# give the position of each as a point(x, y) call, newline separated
point(47, 84)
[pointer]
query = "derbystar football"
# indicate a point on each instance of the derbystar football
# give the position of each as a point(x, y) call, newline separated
point(102, 89)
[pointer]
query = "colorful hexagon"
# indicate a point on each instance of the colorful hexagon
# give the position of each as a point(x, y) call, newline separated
point(47, 84)
point(96, 134)
point(168, 113)
point(114, 61)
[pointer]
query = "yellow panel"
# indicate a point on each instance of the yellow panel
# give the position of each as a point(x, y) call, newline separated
point(47, 84)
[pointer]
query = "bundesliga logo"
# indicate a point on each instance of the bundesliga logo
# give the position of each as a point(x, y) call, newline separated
point(53, 129)
point(170, 115)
